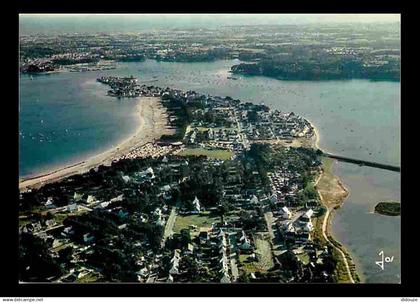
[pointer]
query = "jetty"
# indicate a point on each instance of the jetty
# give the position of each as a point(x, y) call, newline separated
point(363, 162)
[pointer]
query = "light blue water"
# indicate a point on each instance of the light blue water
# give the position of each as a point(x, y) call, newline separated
point(65, 118)
point(356, 118)
point(363, 232)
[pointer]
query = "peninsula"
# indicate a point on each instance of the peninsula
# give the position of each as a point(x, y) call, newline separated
point(209, 189)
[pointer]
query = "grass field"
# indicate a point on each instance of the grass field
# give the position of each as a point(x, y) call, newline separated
point(263, 252)
point(170, 224)
point(304, 258)
point(264, 257)
point(60, 247)
point(200, 220)
point(88, 278)
point(59, 217)
point(24, 221)
point(219, 153)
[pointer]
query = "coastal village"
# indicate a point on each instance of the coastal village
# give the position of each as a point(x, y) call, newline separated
point(230, 197)
point(276, 51)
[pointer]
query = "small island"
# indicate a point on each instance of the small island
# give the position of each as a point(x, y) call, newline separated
point(389, 208)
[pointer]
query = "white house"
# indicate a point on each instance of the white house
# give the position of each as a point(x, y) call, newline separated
point(245, 243)
point(56, 243)
point(174, 263)
point(67, 231)
point(225, 278)
point(73, 207)
point(166, 188)
point(196, 205)
point(160, 221)
point(50, 203)
point(77, 196)
point(150, 172)
point(126, 178)
point(285, 213)
point(50, 223)
point(157, 212)
point(104, 204)
point(308, 227)
point(90, 199)
point(290, 228)
point(307, 216)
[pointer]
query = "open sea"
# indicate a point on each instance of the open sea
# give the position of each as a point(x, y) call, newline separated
point(67, 117)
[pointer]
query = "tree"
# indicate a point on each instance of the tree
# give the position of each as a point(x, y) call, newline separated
point(185, 237)
point(35, 261)
point(224, 208)
point(66, 254)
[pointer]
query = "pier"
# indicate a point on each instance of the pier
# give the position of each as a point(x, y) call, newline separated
point(363, 162)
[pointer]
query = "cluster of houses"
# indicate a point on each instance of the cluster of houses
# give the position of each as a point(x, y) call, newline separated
point(121, 86)
point(274, 125)
point(226, 123)
point(216, 138)
point(223, 242)
point(150, 150)
point(295, 229)
point(283, 182)
point(223, 260)
point(218, 249)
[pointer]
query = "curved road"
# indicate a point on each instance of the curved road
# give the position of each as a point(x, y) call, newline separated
point(324, 233)
point(324, 229)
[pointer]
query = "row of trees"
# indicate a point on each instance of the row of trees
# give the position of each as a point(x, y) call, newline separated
point(330, 68)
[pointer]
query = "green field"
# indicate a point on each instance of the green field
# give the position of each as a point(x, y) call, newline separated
point(88, 278)
point(200, 220)
point(304, 258)
point(170, 224)
point(264, 257)
point(217, 153)
point(263, 252)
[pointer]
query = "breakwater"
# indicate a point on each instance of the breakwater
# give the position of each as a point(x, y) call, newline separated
point(363, 162)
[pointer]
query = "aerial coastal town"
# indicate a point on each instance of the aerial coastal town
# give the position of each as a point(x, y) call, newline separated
point(229, 197)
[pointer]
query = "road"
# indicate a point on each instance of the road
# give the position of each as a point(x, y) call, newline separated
point(49, 229)
point(324, 233)
point(269, 219)
point(324, 228)
point(169, 226)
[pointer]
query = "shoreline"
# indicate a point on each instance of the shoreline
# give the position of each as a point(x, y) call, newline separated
point(331, 208)
point(152, 125)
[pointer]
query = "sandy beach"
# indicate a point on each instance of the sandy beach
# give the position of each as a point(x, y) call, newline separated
point(152, 125)
point(316, 137)
point(333, 193)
